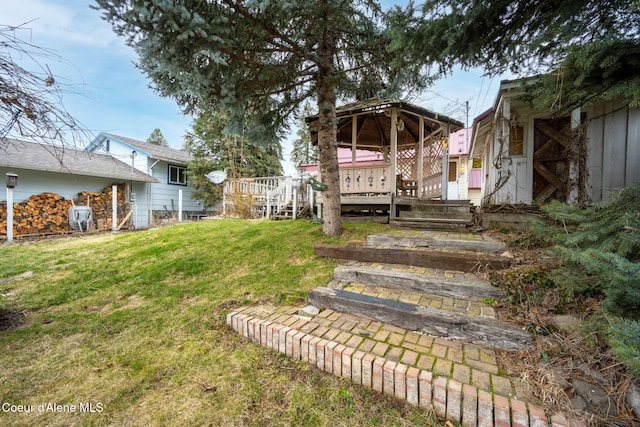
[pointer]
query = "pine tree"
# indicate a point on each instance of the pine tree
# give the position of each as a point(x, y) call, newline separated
point(157, 138)
point(237, 155)
point(589, 49)
point(260, 60)
point(303, 152)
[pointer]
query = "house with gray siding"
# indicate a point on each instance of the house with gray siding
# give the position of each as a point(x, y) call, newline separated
point(67, 172)
point(167, 165)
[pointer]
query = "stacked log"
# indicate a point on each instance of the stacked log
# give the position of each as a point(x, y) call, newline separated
point(48, 213)
point(101, 203)
point(41, 213)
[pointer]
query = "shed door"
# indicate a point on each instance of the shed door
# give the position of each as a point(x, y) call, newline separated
point(550, 166)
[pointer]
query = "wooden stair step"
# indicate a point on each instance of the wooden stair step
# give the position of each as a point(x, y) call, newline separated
point(430, 225)
point(462, 286)
point(436, 215)
point(432, 258)
point(434, 220)
point(473, 243)
point(443, 323)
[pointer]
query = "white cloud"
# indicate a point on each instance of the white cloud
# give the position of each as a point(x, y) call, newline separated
point(62, 21)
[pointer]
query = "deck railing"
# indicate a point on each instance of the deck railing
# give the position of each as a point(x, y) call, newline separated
point(365, 179)
point(269, 195)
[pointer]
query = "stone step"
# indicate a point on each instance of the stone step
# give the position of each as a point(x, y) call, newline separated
point(437, 322)
point(471, 242)
point(423, 257)
point(443, 283)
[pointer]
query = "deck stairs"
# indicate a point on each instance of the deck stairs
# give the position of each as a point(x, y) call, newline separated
point(289, 211)
point(431, 214)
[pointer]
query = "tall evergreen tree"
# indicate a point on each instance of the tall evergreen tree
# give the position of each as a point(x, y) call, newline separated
point(261, 59)
point(588, 49)
point(303, 152)
point(157, 138)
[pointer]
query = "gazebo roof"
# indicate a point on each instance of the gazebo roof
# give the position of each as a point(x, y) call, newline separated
point(374, 123)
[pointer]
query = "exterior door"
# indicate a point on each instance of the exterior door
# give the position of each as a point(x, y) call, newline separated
point(550, 166)
point(453, 187)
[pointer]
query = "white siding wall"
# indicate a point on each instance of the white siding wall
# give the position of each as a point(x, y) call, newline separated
point(156, 195)
point(475, 196)
point(123, 153)
point(162, 193)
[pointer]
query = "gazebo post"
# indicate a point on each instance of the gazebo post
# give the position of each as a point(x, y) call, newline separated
point(354, 138)
point(445, 165)
point(393, 138)
point(420, 159)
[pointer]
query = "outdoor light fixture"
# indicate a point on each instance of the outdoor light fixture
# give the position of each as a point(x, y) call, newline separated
point(400, 125)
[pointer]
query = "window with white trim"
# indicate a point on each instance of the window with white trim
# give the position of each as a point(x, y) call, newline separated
point(177, 175)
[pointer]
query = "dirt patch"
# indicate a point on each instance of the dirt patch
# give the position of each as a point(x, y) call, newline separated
point(10, 319)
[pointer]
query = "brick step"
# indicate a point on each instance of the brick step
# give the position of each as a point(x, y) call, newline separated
point(459, 260)
point(448, 284)
point(461, 381)
point(423, 299)
point(479, 330)
point(469, 242)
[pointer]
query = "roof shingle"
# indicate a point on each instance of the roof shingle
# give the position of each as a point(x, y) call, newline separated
point(50, 158)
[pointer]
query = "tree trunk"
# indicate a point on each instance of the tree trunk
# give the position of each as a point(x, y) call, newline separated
point(328, 144)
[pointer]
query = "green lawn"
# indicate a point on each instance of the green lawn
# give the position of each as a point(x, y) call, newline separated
point(134, 324)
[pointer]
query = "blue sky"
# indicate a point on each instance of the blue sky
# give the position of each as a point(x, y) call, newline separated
point(105, 92)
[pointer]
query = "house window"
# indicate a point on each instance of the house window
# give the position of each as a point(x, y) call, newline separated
point(177, 175)
point(516, 141)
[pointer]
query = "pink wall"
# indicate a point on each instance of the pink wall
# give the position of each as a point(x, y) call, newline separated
point(458, 144)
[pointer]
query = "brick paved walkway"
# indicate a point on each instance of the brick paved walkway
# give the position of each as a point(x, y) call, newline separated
point(461, 381)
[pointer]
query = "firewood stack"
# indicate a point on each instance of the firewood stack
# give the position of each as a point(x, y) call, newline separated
point(48, 213)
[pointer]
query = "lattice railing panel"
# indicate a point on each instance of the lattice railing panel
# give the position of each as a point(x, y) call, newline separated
point(406, 164)
point(432, 169)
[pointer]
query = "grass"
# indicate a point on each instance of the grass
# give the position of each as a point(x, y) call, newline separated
point(134, 324)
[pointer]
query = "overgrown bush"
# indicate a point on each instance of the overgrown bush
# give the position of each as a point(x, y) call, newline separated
point(625, 342)
point(599, 248)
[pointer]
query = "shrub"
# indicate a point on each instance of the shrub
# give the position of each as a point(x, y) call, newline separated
point(600, 250)
point(625, 343)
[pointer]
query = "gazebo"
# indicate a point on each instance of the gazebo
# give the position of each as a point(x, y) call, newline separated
point(412, 141)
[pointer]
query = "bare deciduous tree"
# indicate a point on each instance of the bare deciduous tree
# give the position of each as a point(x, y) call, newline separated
point(30, 96)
